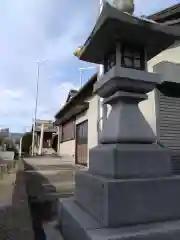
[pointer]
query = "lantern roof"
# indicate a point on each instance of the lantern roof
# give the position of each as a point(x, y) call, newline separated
point(115, 26)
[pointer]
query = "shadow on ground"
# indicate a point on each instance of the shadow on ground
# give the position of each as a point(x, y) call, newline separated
point(43, 205)
point(43, 196)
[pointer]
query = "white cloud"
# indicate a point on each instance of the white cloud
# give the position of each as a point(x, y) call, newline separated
point(32, 30)
point(14, 95)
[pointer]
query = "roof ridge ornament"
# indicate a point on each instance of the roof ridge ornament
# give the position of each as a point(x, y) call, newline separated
point(78, 51)
point(126, 6)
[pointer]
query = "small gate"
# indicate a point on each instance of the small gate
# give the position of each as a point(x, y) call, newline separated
point(82, 143)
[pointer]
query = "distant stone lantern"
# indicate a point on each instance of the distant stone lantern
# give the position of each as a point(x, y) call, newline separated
point(129, 181)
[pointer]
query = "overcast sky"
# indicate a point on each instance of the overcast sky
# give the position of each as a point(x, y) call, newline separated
point(50, 30)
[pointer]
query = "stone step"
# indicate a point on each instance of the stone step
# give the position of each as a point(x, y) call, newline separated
point(50, 177)
point(51, 231)
point(51, 196)
point(75, 223)
point(58, 187)
point(130, 161)
point(156, 231)
point(47, 190)
point(115, 202)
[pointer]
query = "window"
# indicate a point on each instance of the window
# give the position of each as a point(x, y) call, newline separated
point(68, 131)
point(109, 61)
point(133, 57)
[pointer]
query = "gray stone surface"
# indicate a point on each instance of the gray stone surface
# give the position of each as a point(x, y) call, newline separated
point(132, 201)
point(126, 129)
point(130, 161)
point(76, 224)
point(74, 221)
point(127, 79)
point(123, 5)
point(156, 231)
point(51, 231)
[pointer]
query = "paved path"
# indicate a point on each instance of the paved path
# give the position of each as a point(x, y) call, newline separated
point(51, 177)
point(51, 232)
point(56, 175)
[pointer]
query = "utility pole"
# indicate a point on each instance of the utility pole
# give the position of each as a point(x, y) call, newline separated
point(36, 105)
point(80, 72)
point(101, 68)
point(20, 147)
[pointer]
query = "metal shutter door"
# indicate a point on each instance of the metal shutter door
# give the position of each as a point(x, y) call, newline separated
point(169, 127)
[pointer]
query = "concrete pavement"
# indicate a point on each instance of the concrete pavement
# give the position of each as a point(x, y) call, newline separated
point(48, 179)
point(49, 160)
point(49, 175)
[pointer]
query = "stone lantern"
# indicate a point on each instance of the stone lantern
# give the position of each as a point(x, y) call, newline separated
point(129, 191)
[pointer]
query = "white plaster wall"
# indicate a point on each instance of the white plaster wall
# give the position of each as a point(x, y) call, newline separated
point(108, 109)
point(172, 54)
point(67, 149)
point(93, 122)
point(82, 117)
point(148, 109)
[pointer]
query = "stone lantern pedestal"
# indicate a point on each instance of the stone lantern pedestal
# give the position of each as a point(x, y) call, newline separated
point(129, 191)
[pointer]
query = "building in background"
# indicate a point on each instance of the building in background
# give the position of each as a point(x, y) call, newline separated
point(77, 122)
point(4, 132)
point(44, 132)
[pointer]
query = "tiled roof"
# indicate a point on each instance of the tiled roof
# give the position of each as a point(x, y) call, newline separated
point(173, 9)
point(87, 85)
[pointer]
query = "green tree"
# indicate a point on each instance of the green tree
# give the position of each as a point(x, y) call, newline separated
point(17, 141)
point(55, 142)
point(1, 140)
point(26, 142)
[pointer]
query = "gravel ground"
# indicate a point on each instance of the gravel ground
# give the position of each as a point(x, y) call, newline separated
point(15, 219)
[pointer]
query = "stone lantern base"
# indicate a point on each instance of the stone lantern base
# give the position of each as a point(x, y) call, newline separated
point(128, 193)
point(76, 224)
